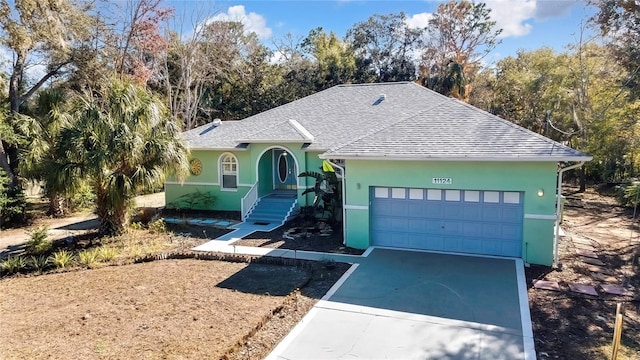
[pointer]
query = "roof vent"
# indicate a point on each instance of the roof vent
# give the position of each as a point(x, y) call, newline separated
point(216, 122)
point(381, 98)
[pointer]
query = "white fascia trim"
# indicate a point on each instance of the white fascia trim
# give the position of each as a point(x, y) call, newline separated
point(245, 185)
point(273, 141)
point(356, 207)
point(218, 149)
point(540, 216)
point(301, 129)
point(453, 158)
point(192, 183)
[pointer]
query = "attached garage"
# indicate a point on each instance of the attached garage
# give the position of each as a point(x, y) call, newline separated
point(484, 222)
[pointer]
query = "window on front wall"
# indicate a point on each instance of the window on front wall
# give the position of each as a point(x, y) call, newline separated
point(229, 171)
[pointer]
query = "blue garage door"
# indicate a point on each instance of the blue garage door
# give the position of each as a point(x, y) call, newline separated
point(466, 221)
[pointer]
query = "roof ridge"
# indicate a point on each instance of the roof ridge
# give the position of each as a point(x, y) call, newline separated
point(385, 126)
point(301, 129)
point(374, 84)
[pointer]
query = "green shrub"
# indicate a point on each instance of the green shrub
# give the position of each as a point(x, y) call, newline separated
point(13, 264)
point(158, 227)
point(83, 198)
point(628, 194)
point(39, 263)
point(106, 254)
point(136, 226)
point(38, 241)
point(62, 259)
point(195, 200)
point(88, 258)
point(13, 203)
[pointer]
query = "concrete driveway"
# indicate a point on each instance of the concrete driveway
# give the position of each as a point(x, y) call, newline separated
point(398, 304)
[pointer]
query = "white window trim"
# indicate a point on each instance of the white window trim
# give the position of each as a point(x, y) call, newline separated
point(221, 171)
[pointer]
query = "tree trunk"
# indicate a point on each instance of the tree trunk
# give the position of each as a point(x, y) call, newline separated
point(113, 221)
point(9, 153)
point(57, 205)
point(583, 179)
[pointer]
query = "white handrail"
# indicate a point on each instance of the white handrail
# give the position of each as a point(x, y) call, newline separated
point(249, 200)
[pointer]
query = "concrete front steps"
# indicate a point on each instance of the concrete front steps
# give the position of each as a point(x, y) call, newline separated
point(269, 213)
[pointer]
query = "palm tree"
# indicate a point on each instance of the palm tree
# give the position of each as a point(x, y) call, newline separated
point(42, 129)
point(123, 140)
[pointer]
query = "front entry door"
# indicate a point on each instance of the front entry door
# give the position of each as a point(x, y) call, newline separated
point(284, 171)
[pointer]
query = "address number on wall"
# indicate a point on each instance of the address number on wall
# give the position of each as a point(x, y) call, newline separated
point(442, 181)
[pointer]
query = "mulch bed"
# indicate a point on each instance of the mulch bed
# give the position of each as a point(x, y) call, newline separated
point(302, 239)
point(570, 325)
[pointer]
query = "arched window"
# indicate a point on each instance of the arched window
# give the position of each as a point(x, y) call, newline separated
point(229, 171)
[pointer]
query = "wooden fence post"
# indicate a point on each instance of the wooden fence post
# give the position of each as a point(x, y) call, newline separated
point(617, 332)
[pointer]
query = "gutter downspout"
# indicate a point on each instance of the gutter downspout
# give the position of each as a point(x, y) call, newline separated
point(556, 236)
point(344, 201)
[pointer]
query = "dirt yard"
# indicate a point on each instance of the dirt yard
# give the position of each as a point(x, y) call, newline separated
point(569, 325)
point(171, 309)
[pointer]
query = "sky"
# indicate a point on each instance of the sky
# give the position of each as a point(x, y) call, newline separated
point(526, 24)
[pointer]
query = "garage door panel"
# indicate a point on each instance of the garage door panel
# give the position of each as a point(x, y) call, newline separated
point(491, 246)
point(483, 222)
point(417, 208)
point(512, 214)
point(511, 231)
point(472, 244)
point(452, 243)
point(433, 210)
point(452, 227)
point(399, 208)
point(417, 225)
point(471, 229)
point(382, 223)
point(491, 230)
point(399, 224)
point(492, 213)
point(435, 243)
point(392, 239)
point(509, 248)
point(382, 208)
point(433, 226)
point(472, 212)
point(452, 210)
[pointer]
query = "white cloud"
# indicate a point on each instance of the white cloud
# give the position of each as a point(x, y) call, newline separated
point(278, 57)
point(252, 22)
point(513, 15)
point(418, 21)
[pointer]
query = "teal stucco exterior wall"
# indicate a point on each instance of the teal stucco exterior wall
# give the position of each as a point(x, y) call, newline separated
point(527, 177)
point(254, 165)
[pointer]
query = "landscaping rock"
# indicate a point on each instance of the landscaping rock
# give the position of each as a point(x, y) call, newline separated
point(587, 253)
point(592, 261)
point(546, 285)
point(615, 290)
point(583, 289)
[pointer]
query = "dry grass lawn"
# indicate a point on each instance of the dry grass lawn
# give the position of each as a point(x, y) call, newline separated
point(173, 309)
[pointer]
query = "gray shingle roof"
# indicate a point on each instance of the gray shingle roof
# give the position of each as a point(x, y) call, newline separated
point(411, 122)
